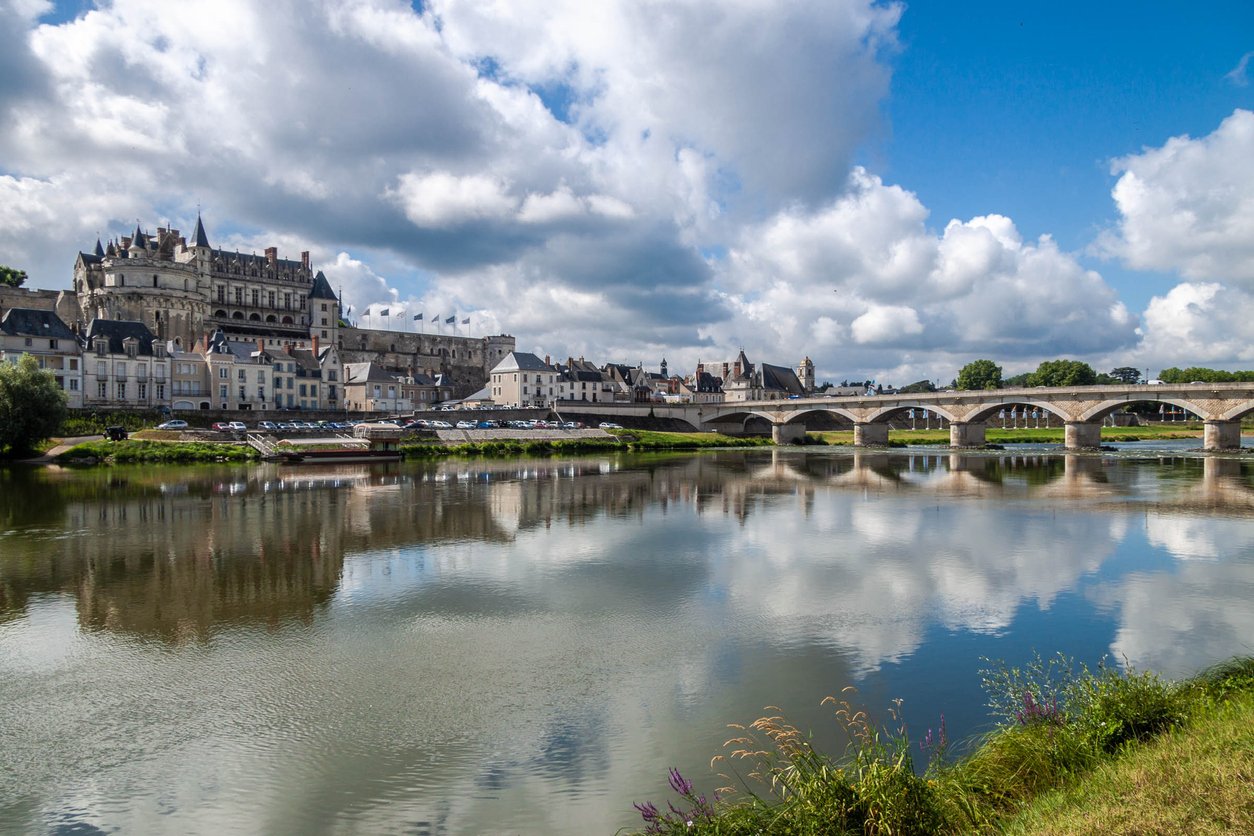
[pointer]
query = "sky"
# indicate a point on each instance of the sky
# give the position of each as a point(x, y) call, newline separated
point(892, 189)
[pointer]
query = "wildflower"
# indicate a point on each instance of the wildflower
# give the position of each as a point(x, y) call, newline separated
point(679, 783)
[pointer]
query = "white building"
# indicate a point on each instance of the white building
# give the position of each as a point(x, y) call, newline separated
point(44, 336)
point(523, 380)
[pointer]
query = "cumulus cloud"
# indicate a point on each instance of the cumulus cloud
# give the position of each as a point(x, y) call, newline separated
point(1207, 322)
point(1188, 206)
point(975, 289)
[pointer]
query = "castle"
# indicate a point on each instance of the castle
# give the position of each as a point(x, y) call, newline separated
point(185, 292)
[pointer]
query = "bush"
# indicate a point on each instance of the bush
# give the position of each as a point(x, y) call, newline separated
point(32, 405)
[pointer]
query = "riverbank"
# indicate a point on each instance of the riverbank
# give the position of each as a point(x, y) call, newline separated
point(1101, 751)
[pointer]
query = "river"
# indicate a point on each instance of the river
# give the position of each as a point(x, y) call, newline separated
point(526, 646)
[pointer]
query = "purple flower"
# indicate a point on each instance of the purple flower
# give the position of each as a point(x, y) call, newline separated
point(680, 784)
point(648, 811)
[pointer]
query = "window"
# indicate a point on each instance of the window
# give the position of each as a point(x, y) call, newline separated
point(73, 384)
point(73, 364)
point(241, 374)
point(221, 293)
point(120, 369)
point(256, 298)
point(52, 344)
point(102, 369)
point(270, 298)
point(121, 390)
point(222, 390)
point(243, 396)
point(143, 391)
point(261, 375)
point(239, 295)
point(29, 342)
point(102, 389)
point(222, 373)
point(141, 370)
point(287, 301)
point(161, 391)
point(261, 394)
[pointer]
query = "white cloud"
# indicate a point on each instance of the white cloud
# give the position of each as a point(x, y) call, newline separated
point(440, 199)
point(1188, 206)
point(1205, 322)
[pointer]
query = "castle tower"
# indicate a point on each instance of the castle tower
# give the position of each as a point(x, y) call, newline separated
point(324, 310)
point(805, 373)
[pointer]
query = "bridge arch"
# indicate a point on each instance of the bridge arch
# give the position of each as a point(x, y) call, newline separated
point(987, 411)
point(1099, 411)
point(1239, 412)
point(799, 415)
point(887, 413)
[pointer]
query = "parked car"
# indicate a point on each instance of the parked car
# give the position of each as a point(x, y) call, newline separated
point(175, 424)
point(237, 427)
point(610, 425)
point(441, 425)
point(267, 426)
point(221, 426)
point(466, 425)
point(116, 433)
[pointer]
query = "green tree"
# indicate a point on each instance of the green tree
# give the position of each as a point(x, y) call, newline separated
point(979, 374)
point(11, 276)
point(1126, 374)
point(1017, 381)
point(917, 387)
point(32, 406)
point(1063, 373)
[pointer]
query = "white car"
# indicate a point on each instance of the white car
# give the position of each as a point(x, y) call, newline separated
point(237, 427)
point(175, 424)
point(610, 425)
point(466, 425)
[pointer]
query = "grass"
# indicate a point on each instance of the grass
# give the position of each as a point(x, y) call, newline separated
point(150, 451)
point(654, 440)
point(1073, 752)
point(634, 440)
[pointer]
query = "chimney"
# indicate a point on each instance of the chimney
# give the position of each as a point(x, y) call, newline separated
point(700, 369)
point(272, 255)
point(315, 347)
point(546, 360)
point(261, 344)
point(304, 259)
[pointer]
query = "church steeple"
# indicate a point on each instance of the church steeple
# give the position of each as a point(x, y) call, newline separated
point(99, 249)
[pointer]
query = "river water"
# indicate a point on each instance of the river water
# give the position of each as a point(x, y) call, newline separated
point(527, 646)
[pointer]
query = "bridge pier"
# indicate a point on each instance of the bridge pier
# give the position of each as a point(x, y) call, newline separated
point(967, 434)
point(788, 433)
point(870, 435)
point(1221, 435)
point(1083, 435)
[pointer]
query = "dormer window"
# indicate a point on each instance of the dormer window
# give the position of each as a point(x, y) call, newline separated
point(101, 347)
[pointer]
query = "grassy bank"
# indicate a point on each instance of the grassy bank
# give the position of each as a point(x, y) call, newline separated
point(1072, 752)
point(652, 440)
point(167, 452)
point(1050, 435)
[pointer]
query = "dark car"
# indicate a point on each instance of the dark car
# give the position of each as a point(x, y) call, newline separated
point(116, 433)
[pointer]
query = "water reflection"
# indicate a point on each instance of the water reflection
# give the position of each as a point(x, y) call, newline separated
point(527, 645)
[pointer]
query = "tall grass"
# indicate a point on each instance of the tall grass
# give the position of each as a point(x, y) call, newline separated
point(1055, 724)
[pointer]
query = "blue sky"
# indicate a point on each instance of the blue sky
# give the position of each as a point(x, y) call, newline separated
point(628, 181)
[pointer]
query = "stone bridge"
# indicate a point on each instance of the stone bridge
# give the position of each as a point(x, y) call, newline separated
point(1221, 406)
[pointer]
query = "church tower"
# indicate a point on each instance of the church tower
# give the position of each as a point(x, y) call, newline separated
point(805, 373)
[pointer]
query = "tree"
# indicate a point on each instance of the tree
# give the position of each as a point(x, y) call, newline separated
point(11, 276)
point(1126, 374)
point(32, 406)
point(1018, 381)
point(918, 386)
point(1063, 373)
point(979, 374)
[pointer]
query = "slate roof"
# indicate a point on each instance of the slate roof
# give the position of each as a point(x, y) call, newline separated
point(522, 361)
point(322, 288)
point(28, 322)
point(201, 240)
point(781, 378)
point(114, 331)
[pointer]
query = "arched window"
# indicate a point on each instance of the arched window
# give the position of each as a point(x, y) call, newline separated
point(254, 317)
point(237, 315)
point(287, 320)
point(220, 313)
point(271, 318)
